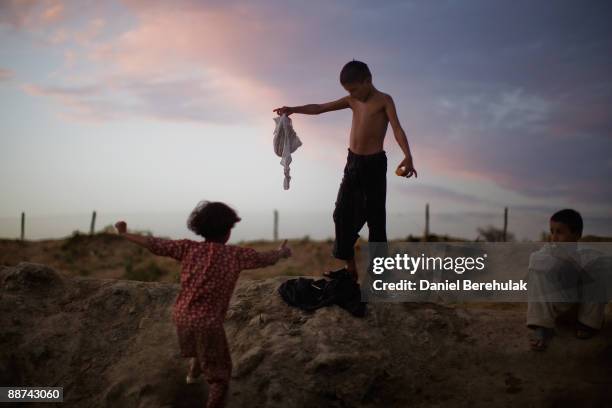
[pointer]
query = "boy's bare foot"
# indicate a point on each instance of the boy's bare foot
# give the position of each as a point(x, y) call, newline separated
point(341, 274)
point(334, 274)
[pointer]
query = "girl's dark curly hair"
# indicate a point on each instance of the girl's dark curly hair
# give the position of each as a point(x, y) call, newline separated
point(212, 220)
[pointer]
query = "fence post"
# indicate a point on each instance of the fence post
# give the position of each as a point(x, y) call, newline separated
point(92, 226)
point(426, 222)
point(22, 226)
point(505, 223)
point(275, 225)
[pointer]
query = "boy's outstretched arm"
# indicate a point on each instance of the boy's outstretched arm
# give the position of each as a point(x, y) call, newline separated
point(400, 137)
point(314, 109)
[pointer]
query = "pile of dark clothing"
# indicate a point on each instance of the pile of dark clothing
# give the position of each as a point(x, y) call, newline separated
point(311, 294)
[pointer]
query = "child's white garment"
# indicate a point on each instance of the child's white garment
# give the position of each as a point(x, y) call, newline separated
point(548, 298)
point(286, 142)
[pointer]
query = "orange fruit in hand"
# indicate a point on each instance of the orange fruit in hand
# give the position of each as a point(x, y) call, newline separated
point(401, 171)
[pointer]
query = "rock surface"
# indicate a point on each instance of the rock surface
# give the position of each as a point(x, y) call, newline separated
point(112, 343)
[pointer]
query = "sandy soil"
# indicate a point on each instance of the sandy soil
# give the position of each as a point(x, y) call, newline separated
point(82, 325)
point(111, 343)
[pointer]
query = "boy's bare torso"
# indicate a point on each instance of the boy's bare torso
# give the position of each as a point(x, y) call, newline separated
point(373, 111)
point(369, 125)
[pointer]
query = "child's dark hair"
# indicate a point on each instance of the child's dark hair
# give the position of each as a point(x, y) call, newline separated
point(571, 218)
point(354, 72)
point(212, 220)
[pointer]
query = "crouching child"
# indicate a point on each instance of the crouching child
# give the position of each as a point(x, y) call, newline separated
point(556, 277)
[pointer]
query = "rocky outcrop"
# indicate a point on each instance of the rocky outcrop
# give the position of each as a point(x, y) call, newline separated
point(112, 343)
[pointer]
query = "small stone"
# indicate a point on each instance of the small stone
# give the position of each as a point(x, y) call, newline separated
point(143, 322)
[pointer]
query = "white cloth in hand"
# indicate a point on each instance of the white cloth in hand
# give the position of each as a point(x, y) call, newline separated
point(285, 142)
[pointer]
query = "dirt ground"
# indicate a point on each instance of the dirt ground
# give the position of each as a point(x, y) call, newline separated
point(111, 342)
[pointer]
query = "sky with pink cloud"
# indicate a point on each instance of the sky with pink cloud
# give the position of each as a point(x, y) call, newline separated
point(147, 106)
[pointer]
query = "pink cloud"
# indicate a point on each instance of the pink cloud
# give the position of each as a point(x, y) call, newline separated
point(53, 12)
point(213, 49)
point(74, 100)
point(230, 51)
point(218, 45)
point(238, 39)
point(30, 13)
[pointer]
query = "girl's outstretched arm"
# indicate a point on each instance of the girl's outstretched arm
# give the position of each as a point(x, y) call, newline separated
point(159, 246)
point(121, 227)
point(251, 259)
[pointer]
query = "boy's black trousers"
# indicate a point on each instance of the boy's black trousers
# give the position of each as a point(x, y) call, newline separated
point(361, 198)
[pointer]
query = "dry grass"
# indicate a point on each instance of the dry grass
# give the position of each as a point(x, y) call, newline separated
point(107, 255)
point(110, 256)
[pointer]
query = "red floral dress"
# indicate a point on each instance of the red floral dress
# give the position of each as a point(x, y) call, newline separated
point(209, 272)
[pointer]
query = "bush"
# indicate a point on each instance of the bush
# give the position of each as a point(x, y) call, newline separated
point(493, 234)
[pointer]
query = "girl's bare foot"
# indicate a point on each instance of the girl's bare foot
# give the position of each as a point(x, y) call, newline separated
point(194, 371)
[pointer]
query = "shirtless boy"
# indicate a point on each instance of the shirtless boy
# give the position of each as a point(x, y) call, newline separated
point(362, 193)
